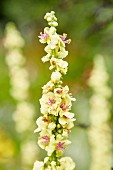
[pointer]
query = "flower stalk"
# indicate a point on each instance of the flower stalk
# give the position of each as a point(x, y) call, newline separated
point(19, 90)
point(56, 121)
point(100, 135)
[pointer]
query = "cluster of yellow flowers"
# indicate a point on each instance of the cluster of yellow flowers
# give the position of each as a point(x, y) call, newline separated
point(7, 149)
point(19, 80)
point(100, 133)
point(57, 120)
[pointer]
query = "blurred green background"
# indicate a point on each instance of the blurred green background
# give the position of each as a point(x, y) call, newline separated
point(89, 23)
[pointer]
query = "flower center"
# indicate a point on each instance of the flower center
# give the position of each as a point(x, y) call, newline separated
point(46, 139)
point(45, 119)
point(52, 101)
point(59, 91)
point(60, 146)
point(63, 106)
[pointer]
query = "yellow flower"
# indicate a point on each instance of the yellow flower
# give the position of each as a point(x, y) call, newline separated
point(60, 145)
point(66, 119)
point(38, 165)
point(67, 163)
point(51, 147)
point(56, 76)
point(44, 139)
point(60, 65)
point(62, 53)
point(49, 103)
point(48, 87)
point(46, 58)
point(42, 125)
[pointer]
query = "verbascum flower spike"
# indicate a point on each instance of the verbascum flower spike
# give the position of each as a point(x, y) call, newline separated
point(100, 135)
point(56, 121)
point(19, 90)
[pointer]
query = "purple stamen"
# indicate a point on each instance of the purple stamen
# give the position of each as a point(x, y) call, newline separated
point(63, 37)
point(67, 41)
point(60, 146)
point(43, 36)
point(52, 101)
point(46, 139)
point(59, 91)
point(63, 106)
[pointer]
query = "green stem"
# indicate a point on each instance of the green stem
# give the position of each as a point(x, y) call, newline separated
point(53, 157)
